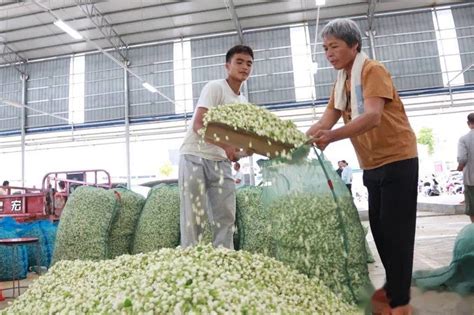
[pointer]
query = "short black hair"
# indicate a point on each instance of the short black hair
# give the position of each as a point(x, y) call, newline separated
point(6, 183)
point(238, 49)
point(470, 118)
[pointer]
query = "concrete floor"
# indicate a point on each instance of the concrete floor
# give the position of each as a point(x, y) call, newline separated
point(434, 243)
point(435, 235)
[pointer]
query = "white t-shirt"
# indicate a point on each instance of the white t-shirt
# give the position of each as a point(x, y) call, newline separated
point(346, 175)
point(214, 93)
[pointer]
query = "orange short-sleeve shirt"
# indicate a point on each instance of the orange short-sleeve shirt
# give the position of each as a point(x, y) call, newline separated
point(393, 140)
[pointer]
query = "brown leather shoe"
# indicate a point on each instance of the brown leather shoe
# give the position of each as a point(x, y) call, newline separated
point(380, 302)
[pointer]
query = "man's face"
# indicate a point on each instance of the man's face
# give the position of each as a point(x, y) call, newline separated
point(338, 53)
point(239, 67)
point(340, 164)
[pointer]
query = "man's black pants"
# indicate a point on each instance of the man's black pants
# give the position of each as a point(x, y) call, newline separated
point(393, 190)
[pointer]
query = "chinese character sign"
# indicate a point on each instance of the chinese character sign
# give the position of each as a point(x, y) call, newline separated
point(16, 205)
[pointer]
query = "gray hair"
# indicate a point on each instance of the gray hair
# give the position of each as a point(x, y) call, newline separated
point(344, 29)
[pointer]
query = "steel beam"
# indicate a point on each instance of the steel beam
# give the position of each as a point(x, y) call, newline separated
point(235, 18)
point(371, 13)
point(11, 57)
point(104, 27)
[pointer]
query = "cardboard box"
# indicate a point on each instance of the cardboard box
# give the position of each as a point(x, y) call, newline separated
point(245, 140)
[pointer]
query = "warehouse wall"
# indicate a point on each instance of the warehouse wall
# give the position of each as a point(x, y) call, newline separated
point(48, 91)
point(464, 20)
point(155, 65)
point(405, 43)
point(10, 89)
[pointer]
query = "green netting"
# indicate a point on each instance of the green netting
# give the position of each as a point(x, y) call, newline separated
point(123, 228)
point(253, 221)
point(459, 275)
point(315, 229)
point(85, 224)
point(11, 268)
point(370, 257)
point(45, 231)
point(158, 225)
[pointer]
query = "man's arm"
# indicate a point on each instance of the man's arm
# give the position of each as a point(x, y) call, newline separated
point(462, 155)
point(370, 119)
point(329, 119)
point(198, 124)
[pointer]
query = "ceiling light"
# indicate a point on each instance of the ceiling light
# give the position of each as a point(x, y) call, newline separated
point(320, 2)
point(11, 103)
point(72, 32)
point(149, 87)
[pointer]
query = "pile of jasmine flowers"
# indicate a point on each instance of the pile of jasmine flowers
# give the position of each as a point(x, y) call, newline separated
point(198, 280)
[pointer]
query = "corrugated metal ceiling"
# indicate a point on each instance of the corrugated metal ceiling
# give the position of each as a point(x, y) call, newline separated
point(26, 26)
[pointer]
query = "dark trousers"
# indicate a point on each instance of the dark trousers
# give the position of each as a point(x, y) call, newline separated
point(349, 186)
point(392, 213)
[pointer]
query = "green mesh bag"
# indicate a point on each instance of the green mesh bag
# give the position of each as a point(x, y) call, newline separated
point(315, 225)
point(459, 275)
point(253, 221)
point(123, 228)
point(158, 225)
point(86, 221)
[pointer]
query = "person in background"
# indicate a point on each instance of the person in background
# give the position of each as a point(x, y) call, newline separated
point(376, 123)
point(205, 174)
point(466, 165)
point(4, 188)
point(238, 176)
point(346, 175)
point(339, 169)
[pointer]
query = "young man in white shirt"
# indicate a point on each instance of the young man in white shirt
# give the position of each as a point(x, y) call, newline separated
point(205, 175)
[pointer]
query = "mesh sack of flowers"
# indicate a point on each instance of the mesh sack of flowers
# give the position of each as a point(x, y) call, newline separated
point(84, 228)
point(123, 227)
point(315, 229)
point(158, 225)
point(253, 221)
point(45, 231)
point(17, 268)
point(197, 280)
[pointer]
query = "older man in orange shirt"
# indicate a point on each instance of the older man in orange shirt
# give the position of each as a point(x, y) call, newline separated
point(378, 127)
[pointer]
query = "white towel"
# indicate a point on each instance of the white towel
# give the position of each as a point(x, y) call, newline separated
point(357, 98)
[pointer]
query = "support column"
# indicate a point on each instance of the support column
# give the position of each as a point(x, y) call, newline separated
point(244, 90)
point(23, 78)
point(371, 33)
point(127, 123)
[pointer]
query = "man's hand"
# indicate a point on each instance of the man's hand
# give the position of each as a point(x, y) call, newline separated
point(322, 138)
point(232, 153)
